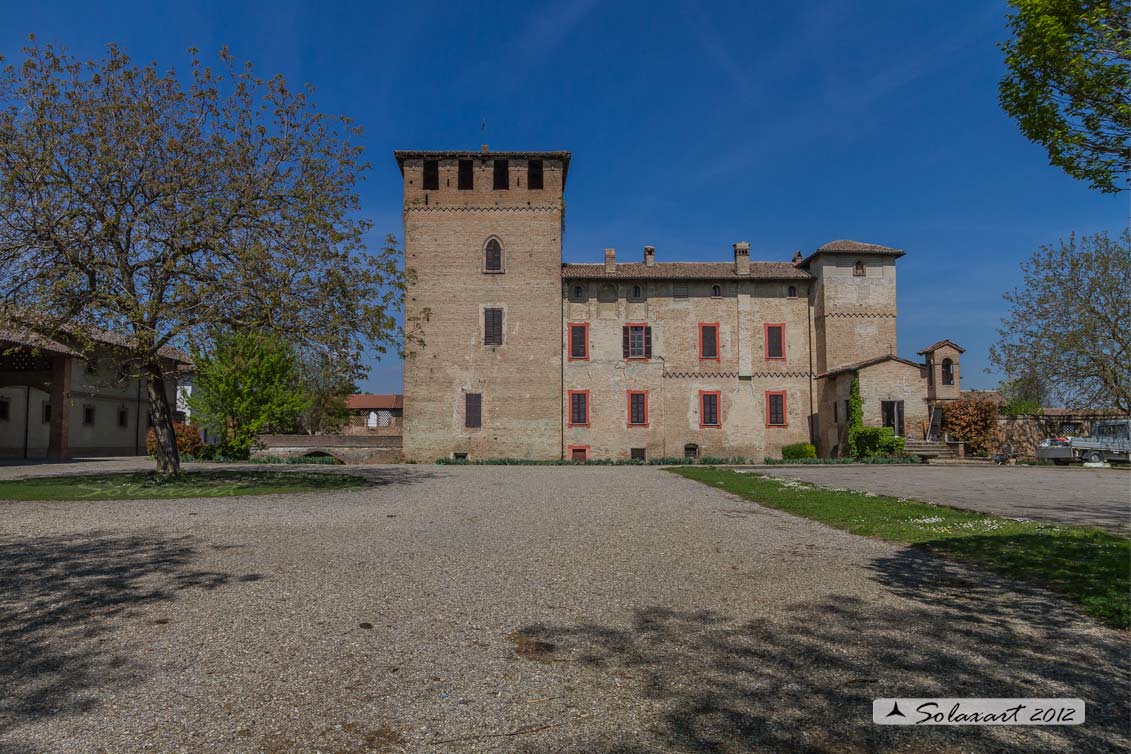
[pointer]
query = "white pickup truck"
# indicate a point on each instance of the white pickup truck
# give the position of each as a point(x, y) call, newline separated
point(1110, 441)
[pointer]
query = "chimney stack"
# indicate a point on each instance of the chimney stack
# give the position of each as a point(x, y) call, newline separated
point(610, 260)
point(649, 256)
point(742, 258)
point(797, 257)
point(483, 148)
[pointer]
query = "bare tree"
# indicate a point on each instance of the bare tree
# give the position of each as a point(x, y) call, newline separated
point(163, 210)
point(1068, 324)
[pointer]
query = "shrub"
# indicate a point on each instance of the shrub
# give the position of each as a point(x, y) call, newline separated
point(974, 420)
point(188, 440)
point(877, 441)
point(798, 450)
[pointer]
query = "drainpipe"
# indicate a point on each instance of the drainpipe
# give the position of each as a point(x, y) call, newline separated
point(812, 382)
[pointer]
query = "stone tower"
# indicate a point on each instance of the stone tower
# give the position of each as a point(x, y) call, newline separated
point(854, 305)
point(483, 247)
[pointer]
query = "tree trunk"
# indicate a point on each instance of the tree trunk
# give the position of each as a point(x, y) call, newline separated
point(168, 459)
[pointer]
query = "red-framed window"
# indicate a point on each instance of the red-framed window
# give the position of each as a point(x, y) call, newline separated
point(774, 336)
point(709, 341)
point(578, 408)
point(638, 408)
point(776, 409)
point(579, 341)
point(578, 453)
point(637, 340)
point(710, 409)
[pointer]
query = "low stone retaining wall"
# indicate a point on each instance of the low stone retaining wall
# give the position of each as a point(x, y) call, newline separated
point(346, 448)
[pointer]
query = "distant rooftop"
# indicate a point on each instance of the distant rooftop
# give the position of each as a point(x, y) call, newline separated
point(845, 246)
point(684, 271)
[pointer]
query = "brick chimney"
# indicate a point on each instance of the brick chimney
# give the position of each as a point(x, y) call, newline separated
point(610, 260)
point(797, 257)
point(742, 258)
point(649, 256)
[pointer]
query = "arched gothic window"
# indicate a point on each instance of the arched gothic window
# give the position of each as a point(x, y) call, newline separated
point(716, 291)
point(858, 270)
point(493, 256)
point(637, 293)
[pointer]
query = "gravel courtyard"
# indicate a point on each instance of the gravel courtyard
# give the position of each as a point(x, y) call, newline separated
point(512, 609)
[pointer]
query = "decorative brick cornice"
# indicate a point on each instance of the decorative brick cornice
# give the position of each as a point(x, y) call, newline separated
point(479, 208)
point(857, 315)
point(735, 375)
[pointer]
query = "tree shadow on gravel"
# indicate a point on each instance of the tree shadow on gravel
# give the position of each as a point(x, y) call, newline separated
point(804, 682)
point(60, 595)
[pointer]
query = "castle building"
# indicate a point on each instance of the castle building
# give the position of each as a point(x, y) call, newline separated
point(513, 354)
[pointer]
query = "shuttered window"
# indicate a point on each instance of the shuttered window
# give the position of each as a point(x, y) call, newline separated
point(637, 408)
point(579, 408)
point(775, 341)
point(708, 340)
point(775, 409)
point(534, 174)
point(578, 342)
point(431, 175)
point(493, 256)
point(709, 408)
point(637, 341)
point(492, 327)
point(473, 410)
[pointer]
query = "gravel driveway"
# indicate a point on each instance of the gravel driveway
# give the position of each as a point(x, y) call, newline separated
point(1073, 495)
point(498, 609)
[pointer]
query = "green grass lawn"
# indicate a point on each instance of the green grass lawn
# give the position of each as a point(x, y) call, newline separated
point(1088, 566)
point(147, 486)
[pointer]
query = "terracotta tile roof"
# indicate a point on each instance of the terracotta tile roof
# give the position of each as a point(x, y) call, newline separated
point(868, 363)
point(363, 402)
point(940, 344)
point(684, 271)
point(845, 246)
point(32, 340)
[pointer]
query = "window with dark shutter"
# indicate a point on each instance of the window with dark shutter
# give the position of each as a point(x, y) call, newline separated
point(775, 409)
point(492, 327)
point(578, 408)
point(5, 410)
point(431, 175)
point(647, 341)
point(123, 417)
point(708, 341)
point(88, 415)
point(473, 410)
point(46, 413)
point(637, 408)
point(493, 256)
point(775, 341)
point(709, 409)
point(466, 175)
point(836, 417)
point(534, 174)
point(502, 175)
point(578, 342)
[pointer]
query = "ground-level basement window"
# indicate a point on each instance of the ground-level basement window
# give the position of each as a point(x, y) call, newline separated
point(691, 450)
point(459, 456)
point(637, 454)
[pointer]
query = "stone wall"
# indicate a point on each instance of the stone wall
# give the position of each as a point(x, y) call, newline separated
point(854, 317)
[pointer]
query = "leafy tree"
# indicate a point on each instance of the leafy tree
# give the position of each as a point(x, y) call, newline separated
point(327, 386)
point(1067, 85)
point(973, 419)
point(165, 209)
point(249, 384)
point(1068, 323)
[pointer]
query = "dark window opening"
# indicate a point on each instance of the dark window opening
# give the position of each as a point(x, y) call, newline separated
point(709, 342)
point(579, 455)
point(431, 175)
point(847, 415)
point(709, 410)
point(534, 174)
point(691, 450)
point(492, 327)
point(947, 372)
point(5, 409)
point(716, 291)
point(88, 415)
point(473, 410)
point(466, 175)
point(637, 342)
point(858, 270)
point(46, 413)
point(459, 456)
point(636, 293)
point(679, 290)
point(792, 291)
point(891, 414)
point(502, 175)
point(775, 406)
point(578, 342)
point(775, 342)
point(493, 256)
point(836, 417)
point(123, 417)
point(578, 409)
point(638, 454)
point(637, 408)
point(578, 293)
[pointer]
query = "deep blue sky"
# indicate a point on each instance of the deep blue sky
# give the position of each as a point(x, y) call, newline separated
point(787, 125)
